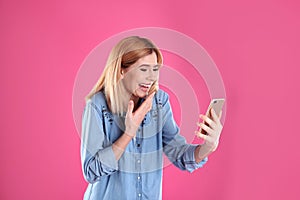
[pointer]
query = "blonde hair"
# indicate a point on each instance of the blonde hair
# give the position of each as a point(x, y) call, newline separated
point(123, 55)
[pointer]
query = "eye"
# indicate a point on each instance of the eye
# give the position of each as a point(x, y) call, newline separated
point(155, 69)
point(143, 69)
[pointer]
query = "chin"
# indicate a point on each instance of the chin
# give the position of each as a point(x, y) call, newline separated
point(140, 94)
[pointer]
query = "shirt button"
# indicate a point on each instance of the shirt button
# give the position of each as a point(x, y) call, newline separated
point(138, 161)
point(139, 177)
point(140, 195)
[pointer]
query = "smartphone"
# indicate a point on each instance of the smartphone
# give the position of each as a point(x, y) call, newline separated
point(217, 105)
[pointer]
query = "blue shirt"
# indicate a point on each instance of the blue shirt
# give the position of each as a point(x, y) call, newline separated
point(137, 175)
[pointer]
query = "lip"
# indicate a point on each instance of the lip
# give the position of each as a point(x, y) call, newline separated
point(145, 85)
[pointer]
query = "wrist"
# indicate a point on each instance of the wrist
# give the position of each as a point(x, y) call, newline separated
point(131, 131)
point(202, 151)
point(117, 148)
point(128, 134)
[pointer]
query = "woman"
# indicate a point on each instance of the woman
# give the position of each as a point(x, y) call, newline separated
point(128, 124)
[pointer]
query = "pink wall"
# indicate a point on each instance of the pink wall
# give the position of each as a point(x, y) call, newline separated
point(255, 45)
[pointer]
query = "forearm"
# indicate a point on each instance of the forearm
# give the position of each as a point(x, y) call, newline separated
point(120, 145)
point(201, 152)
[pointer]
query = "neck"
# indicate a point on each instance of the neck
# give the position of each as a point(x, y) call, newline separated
point(135, 100)
point(129, 97)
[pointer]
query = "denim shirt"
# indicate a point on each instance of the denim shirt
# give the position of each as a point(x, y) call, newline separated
point(137, 175)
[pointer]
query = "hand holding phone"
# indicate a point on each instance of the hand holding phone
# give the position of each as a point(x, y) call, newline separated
point(210, 129)
point(217, 105)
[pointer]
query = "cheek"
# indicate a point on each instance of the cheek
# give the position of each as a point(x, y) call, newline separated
point(134, 78)
point(131, 82)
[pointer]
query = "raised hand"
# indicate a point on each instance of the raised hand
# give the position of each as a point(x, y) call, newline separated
point(133, 120)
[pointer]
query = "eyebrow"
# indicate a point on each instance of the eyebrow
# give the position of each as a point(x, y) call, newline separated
point(146, 65)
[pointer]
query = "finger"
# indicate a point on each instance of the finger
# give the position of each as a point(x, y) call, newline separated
point(202, 136)
point(220, 115)
point(210, 122)
point(200, 126)
point(142, 111)
point(207, 129)
point(206, 119)
point(147, 104)
point(214, 115)
point(145, 107)
point(130, 107)
point(151, 95)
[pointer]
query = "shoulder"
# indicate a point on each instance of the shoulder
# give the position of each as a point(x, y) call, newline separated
point(162, 96)
point(98, 101)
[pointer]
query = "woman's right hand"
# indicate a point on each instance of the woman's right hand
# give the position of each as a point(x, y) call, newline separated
point(133, 120)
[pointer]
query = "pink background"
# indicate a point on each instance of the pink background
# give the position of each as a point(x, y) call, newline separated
point(255, 45)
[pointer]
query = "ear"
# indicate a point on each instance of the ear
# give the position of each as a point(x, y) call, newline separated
point(122, 74)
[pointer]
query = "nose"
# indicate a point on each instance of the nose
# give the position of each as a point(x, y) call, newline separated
point(152, 76)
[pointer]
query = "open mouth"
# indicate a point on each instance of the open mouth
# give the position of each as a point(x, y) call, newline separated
point(145, 86)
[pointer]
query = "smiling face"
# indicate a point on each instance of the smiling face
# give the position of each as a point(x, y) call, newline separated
point(139, 77)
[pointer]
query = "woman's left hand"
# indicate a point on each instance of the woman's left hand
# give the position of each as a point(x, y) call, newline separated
point(212, 127)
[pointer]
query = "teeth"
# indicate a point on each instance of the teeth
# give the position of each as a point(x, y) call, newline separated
point(145, 85)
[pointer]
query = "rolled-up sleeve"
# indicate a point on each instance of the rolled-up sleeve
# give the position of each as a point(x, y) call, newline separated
point(176, 148)
point(189, 159)
point(97, 156)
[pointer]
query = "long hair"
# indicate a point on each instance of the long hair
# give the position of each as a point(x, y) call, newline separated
point(123, 55)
